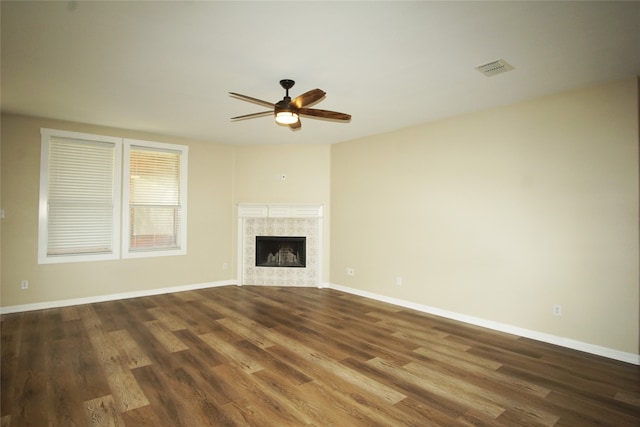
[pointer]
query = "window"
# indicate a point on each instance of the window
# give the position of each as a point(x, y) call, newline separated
point(86, 214)
point(79, 197)
point(155, 199)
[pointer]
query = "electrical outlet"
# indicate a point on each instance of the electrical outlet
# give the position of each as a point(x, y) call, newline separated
point(557, 310)
point(399, 281)
point(225, 266)
point(351, 271)
point(24, 284)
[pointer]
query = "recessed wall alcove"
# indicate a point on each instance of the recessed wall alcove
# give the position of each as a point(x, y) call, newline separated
point(281, 221)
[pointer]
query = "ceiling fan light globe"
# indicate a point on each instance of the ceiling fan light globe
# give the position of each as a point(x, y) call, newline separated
point(286, 117)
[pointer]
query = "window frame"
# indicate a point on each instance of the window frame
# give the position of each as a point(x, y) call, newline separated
point(126, 176)
point(120, 210)
point(43, 204)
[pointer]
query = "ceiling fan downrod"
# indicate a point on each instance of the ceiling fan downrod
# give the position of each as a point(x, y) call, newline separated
point(286, 85)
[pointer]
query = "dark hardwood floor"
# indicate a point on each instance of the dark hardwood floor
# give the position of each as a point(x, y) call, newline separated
point(262, 356)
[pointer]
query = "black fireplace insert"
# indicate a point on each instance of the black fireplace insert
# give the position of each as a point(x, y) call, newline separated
point(281, 251)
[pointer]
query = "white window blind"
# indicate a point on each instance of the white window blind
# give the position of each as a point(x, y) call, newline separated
point(79, 204)
point(155, 211)
point(104, 197)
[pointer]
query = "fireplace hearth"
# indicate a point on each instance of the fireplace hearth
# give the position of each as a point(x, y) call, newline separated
point(281, 251)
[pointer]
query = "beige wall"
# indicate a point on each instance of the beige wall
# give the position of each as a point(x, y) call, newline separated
point(501, 214)
point(498, 214)
point(210, 223)
point(258, 171)
point(220, 176)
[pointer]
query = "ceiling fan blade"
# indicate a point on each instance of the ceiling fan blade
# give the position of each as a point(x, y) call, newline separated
point(252, 115)
point(325, 114)
point(308, 98)
point(295, 126)
point(254, 100)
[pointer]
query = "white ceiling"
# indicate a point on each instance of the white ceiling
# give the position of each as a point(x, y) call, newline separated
point(167, 67)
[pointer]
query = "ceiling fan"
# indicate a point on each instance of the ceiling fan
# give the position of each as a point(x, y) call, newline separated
point(288, 111)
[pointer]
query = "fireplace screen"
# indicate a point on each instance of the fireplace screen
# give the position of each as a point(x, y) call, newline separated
point(272, 251)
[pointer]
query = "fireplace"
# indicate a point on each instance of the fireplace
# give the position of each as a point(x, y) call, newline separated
point(281, 251)
point(296, 245)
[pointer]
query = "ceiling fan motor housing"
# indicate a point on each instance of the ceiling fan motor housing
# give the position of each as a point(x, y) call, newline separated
point(285, 105)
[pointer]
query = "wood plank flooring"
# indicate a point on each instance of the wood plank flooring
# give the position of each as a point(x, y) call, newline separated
point(263, 356)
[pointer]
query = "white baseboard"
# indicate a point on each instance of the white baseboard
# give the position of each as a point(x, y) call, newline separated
point(514, 330)
point(111, 297)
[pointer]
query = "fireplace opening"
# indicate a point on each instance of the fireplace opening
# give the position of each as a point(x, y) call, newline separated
point(277, 251)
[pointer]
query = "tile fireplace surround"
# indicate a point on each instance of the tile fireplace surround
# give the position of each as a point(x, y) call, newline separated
point(279, 220)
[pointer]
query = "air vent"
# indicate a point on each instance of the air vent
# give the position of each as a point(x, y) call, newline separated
point(494, 67)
